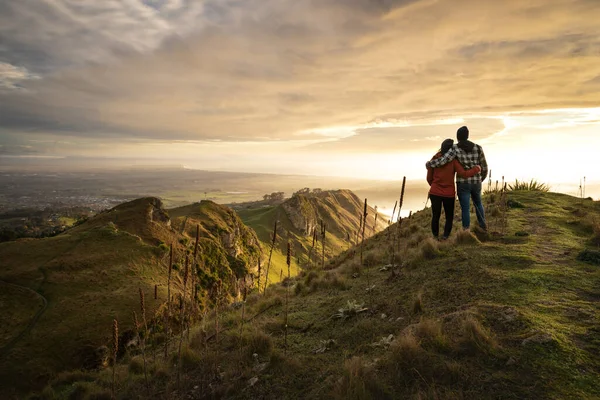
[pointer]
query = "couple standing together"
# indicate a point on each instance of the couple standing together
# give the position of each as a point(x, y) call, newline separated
point(467, 160)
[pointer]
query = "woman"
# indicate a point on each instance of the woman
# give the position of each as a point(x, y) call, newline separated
point(442, 190)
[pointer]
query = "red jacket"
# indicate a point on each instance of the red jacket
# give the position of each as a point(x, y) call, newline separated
point(441, 179)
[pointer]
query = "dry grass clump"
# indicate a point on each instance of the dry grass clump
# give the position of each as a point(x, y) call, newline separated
point(310, 277)
point(330, 280)
point(359, 382)
point(136, 365)
point(269, 302)
point(431, 335)
point(374, 257)
point(465, 238)
point(417, 307)
point(284, 365)
point(408, 364)
point(417, 239)
point(430, 249)
point(596, 230)
point(257, 342)
point(299, 288)
point(189, 359)
point(476, 338)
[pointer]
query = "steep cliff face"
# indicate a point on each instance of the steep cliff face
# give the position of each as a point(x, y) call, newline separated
point(341, 210)
point(222, 232)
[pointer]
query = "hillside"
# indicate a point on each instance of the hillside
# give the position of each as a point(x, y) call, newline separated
point(59, 294)
point(299, 215)
point(512, 317)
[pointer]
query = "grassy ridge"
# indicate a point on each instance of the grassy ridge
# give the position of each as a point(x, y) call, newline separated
point(341, 210)
point(92, 274)
point(513, 317)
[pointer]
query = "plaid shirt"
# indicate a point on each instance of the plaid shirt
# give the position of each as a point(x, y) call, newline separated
point(468, 161)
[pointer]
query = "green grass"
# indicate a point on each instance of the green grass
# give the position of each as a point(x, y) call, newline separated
point(90, 275)
point(482, 306)
point(479, 302)
point(17, 307)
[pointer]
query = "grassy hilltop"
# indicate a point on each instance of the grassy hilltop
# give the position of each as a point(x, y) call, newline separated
point(298, 216)
point(58, 294)
point(514, 316)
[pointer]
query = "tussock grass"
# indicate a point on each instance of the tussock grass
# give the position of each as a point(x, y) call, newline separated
point(329, 280)
point(465, 238)
point(188, 360)
point(476, 337)
point(358, 382)
point(257, 342)
point(408, 365)
point(430, 249)
point(136, 365)
point(417, 306)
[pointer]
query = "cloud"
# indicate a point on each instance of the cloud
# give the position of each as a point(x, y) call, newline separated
point(267, 70)
point(427, 137)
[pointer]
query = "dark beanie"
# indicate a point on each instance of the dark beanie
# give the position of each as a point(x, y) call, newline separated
point(447, 145)
point(462, 134)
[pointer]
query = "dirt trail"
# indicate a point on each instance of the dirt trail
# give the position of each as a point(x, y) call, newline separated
point(8, 347)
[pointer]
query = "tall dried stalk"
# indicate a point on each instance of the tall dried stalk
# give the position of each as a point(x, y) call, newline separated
point(168, 316)
point(244, 296)
point(274, 239)
point(217, 301)
point(362, 242)
point(490, 181)
point(314, 240)
point(115, 350)
point(287, 294)
point(359, 229)
point(391, 221)
point(143, 309)
point(185, 279)
point(396, 243)
point(259, 272)
point(323, 233)
point(193, 306)
point(375, 223)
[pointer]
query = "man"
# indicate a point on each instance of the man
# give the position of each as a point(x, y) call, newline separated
point(469, 155)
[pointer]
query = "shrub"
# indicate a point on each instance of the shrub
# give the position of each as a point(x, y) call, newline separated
point(590, 256)
point(465, 238)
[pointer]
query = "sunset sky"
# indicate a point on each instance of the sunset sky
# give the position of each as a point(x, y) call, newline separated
point(361, 88)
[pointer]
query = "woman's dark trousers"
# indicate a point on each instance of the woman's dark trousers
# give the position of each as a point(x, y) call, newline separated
point(436, 208)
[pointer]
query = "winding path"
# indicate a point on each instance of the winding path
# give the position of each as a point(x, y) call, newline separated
point(4, 350)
